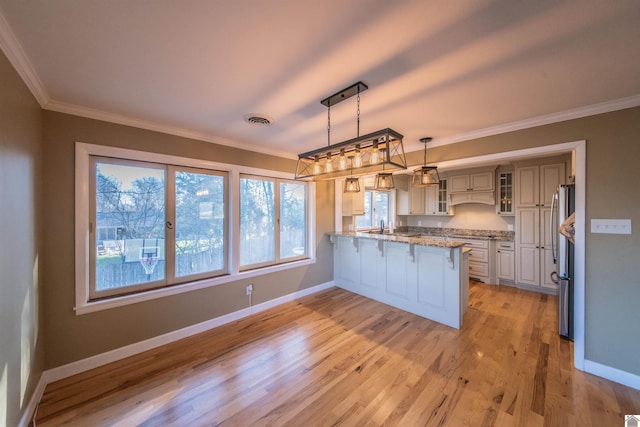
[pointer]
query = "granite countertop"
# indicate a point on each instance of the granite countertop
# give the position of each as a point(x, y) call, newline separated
point(460, 233)
point(401, 237)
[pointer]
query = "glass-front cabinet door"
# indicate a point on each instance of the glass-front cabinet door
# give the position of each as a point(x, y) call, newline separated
point(505, 192)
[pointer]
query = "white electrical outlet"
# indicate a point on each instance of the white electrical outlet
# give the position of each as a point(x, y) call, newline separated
point(510, 227)
point(249, 289)
point(419, 223)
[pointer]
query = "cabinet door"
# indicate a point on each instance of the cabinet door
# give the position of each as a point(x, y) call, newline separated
point(416, 200)
point(353, 203)
point(528, 267)
point(358, 201)
point(528, 246)
point(482, 181)
point(458, 183)
point(527, 227)
point(550, 177)
point(402, 202)
point(432, 199)
point(527, 186)
point(506, 265)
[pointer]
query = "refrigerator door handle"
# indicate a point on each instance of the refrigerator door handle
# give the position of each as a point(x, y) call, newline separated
point(554, 200)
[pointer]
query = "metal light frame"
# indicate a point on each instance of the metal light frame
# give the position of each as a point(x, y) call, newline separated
point(425, 176)
point(375, 152)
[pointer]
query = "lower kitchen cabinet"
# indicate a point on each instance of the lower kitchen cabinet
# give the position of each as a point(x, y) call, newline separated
point(506, 262)
point(482, 264)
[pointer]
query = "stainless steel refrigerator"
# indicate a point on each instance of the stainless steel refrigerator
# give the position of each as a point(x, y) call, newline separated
point(563, 205)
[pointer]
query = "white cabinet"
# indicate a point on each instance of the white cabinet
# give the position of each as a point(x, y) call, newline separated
point(481, 259)
point(353, 203)
point(535, 186)
point(431, 200)
point(479, 181)
point(505, 257)
point(505, 194)
point(417, 204)
point(437, 201)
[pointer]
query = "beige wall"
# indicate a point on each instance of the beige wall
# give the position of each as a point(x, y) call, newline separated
point(21, 332)
point(612, 284)
point(70, 337)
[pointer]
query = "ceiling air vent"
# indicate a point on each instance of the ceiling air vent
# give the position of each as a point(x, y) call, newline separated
point(258, 119)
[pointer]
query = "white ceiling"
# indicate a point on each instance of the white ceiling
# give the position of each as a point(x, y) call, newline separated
point(452, 70)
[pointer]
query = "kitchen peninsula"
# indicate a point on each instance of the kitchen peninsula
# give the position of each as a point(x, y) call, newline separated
point(421, 275)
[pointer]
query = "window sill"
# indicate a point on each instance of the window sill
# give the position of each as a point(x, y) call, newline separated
point(93, 306)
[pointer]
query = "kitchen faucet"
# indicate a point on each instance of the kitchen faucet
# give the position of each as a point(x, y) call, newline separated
point(381, 226)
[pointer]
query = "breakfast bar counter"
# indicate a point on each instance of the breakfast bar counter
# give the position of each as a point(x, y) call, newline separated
point(424, 276)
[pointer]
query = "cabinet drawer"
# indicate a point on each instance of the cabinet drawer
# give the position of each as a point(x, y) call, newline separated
point(473, 243)
point(506, 246)
point(478, 269)
point(479, 255)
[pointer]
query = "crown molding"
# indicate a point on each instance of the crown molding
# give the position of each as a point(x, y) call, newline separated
point(106, 116)
point(18, 58)
point(577, 113)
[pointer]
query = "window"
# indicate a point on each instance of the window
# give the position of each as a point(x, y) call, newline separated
point(376, 209)
point(150, 225)
point(273, 221)
point(155, 225)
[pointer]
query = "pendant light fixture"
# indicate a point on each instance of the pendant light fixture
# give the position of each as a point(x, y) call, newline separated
point(371, 153)
point(384, 180)
point(426, 175)
point(351, 184)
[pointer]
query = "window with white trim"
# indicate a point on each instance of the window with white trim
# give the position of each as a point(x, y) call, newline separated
point(149, 225)
point(376, 209)
point(154, 225)
point(273, 221)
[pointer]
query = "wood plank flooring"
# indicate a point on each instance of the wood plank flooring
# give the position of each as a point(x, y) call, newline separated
point(336, 358)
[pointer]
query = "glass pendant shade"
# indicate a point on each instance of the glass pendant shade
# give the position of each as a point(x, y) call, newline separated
point(425, 176)
point(384, 181)
point(352, 185)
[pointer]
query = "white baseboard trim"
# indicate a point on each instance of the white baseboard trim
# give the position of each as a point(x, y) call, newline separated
point(613, 374)
point(92, 362)
point(30, 410)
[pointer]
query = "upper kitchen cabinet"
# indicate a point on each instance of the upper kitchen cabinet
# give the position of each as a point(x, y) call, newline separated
point(412, 200)
point(437, 200)
point(505, 205)
point(535, 185)
point(479, 181)
point(353, 203)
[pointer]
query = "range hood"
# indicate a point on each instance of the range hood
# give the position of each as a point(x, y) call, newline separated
point(481, 197)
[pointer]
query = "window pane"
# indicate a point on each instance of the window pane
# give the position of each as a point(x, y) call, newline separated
point(364, 221)
point(200, 223)
point(130, 219)
point(257, 221)
point(381, 209)
point(293, 218)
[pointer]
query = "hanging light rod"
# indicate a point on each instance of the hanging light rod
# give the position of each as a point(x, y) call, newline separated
point(344, 94)
point(363, 154)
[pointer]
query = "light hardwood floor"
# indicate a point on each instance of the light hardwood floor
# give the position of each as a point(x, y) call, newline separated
point(336, 358)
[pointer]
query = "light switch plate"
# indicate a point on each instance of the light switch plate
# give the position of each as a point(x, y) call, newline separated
point(611, 226)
